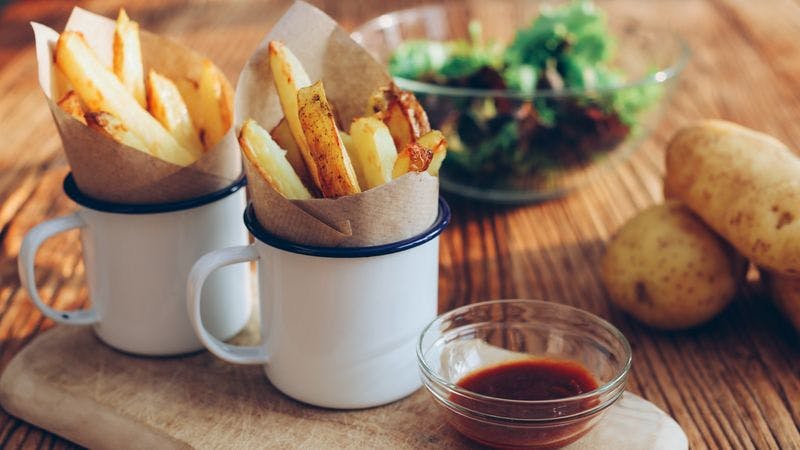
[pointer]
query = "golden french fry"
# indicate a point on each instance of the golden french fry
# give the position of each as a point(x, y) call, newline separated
point(413, 158)
point(128, 56)
point(347, 141)
point(259, 148)
point(436, 163)
point(108, 124)
point(401, 112)
point(373, 151)
point(166, 105)
point(290, 76)
point(336, 174)
point(215, 110)
point(434, 140)
point(284, 138)
point(401, 128)
point(190, 93)
point(101, 90)
point(59, 84)
point(71, 104)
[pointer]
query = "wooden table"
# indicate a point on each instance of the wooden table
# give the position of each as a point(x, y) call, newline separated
point(733, 383)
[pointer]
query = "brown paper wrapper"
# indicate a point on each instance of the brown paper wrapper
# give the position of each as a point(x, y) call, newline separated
point(107, 170)
point(395, 211)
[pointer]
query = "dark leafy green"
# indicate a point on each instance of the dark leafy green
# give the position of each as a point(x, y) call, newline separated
point(565, 48)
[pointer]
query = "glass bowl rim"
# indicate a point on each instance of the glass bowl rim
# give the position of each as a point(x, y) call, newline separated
point(660, 76)
point(606, 387)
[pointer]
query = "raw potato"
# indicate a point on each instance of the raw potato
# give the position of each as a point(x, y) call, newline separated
point(745, 185)
point(667, 269)
point(786, 295)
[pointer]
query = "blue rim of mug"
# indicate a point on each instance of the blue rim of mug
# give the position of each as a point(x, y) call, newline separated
point(252, 224)
point(72, 191)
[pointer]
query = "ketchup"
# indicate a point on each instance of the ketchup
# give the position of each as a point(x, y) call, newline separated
point(529, 379)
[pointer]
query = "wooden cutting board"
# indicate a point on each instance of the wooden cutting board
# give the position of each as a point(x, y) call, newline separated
point(68, 382)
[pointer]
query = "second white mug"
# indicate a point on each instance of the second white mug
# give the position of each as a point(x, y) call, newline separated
point(137, 259)
point(338, 325)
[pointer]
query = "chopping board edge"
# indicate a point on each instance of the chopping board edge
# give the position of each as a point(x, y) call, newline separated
point(68, 416)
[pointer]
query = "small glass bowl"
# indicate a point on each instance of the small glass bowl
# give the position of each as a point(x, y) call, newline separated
point(486, 334)
point(484, 162)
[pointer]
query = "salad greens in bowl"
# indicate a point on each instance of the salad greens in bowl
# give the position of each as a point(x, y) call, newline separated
point(532, 96)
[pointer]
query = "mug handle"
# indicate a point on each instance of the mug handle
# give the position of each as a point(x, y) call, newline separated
point(27, 254)
point(197, 277)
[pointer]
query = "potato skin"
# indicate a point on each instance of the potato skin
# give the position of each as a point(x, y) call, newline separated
point(667, 269)
point(786, 295)
point(745, 185)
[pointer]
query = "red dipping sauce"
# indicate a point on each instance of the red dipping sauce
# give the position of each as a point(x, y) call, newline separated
point(534, 379)
point(540, 379)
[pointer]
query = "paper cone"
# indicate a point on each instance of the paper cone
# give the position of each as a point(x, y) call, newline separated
point(395, 211)
point(107, 170)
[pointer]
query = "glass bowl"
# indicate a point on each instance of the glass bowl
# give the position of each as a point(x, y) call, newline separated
point(485, 335)
point(534, 162)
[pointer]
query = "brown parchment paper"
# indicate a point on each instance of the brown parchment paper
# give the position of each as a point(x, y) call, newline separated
point(103, 168)
point(395, 211)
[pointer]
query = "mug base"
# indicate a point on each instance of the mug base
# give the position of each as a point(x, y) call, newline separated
point(158, 351)
point(355, 401)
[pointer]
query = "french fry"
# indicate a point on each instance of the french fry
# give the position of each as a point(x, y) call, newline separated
point(436, 163)
point(401, 112)
point(59, 84)
point(290, 77)
point(434, 140)
point(101, 90)
point(128, 56)
point(347, 141)
point(71, 104)
point(373, 151)
point(413, 158)
point(167, 106)
point(190, 93)
point(215, 111)
point(284, 138)
point(259, 148)
point(108, 124)
point(336, 174)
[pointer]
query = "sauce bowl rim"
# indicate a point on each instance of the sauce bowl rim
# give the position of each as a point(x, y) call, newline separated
point(614, 383)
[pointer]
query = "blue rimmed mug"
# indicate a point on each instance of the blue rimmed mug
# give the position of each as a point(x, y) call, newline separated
point(338, 325)
point(137, 259)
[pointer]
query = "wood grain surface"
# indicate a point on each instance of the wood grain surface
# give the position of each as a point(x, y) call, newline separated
point(67, 379)
point(733, 383)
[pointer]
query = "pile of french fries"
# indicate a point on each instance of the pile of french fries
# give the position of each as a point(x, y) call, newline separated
point(306, 155)
point(175, 122)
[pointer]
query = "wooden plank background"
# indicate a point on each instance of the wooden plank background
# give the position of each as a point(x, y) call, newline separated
point(734, 383)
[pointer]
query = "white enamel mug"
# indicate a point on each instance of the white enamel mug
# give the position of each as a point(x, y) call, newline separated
point(137, 259)
point(338, 325)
